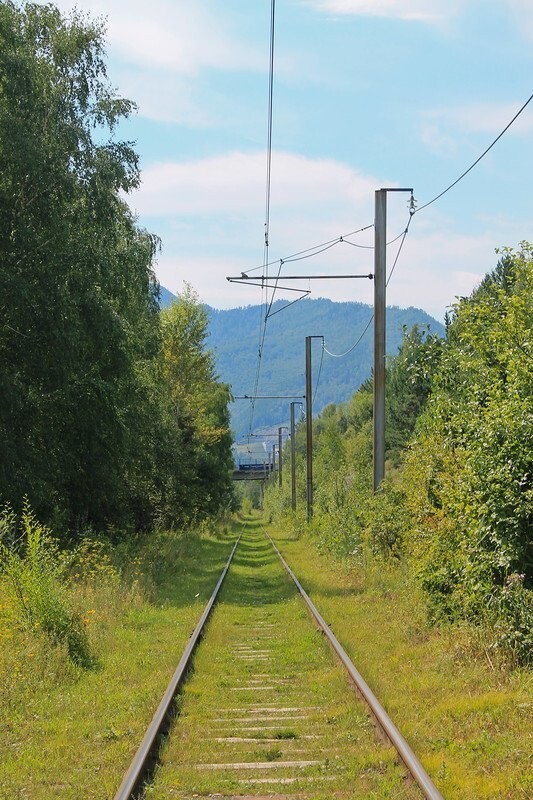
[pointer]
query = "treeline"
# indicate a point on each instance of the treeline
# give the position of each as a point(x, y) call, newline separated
point(110, 414)
point(457, 502)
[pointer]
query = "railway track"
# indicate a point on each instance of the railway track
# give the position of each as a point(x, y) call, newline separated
point(269, 712)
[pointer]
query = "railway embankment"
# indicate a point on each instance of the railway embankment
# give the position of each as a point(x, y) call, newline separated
point(266, 711)
point(69, 730)
point(467, 715)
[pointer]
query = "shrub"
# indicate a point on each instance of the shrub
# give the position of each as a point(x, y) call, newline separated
point(34, 568)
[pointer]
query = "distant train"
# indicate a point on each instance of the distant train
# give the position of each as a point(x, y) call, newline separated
point(254, 466)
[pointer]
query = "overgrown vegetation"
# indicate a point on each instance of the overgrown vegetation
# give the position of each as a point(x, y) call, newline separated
point(96, 396)
point(457, 502)
point(133, 605)
point(35, 570)
point(464, 712)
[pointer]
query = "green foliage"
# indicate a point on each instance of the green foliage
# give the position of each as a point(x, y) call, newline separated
point(457, 501)
point(249, 495)
point(78, 296)
point(478, 431)
point(198, 411)
point(86, 424)
point(408, 386)
point(36, 575)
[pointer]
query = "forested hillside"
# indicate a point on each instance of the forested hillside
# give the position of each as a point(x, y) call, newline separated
point(456, 507)
point(101, 423)
point(233, 335)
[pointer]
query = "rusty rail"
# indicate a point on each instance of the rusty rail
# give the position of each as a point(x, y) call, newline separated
point(415, 768)
point(144, 757)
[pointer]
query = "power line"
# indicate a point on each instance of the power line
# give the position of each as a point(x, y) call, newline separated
point(319, 372)
point(270, 118)
point(293, 256)
point(340, 240)
point(341, 355)
point(320, 248)
point(403, 236)
point(264, 293)
point(291, 303)
point(413, 211)
point(309, 254)
point(483, 154)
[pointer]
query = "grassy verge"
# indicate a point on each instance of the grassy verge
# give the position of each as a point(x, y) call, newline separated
point(467, 717)
point(68, 731)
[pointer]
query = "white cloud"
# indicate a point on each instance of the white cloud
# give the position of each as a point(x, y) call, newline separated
point(164, 96)
point(429, 11)
point(208, 277)
point(433, 12)
point(214, 210)
point(480, 118)
point(233, 185)
point(176, 35)
point(435, 268)
point(523, 13)
point(436, 140)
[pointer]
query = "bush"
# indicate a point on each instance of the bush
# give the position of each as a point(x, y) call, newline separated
point(35, 568)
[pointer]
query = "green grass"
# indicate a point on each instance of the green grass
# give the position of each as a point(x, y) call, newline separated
point(69, 732)
point(466, 715)
point(266, 690)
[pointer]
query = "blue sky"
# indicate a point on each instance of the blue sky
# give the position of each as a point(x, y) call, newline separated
point(368, 93)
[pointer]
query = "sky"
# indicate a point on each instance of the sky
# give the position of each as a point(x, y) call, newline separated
point(367, 94)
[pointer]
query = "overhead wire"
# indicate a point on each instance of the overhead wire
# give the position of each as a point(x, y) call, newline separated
point(309, 253)
point(483, 154)
point(359, 339)
point(403, 237)
point(292, 257)
point(270, 119)
point(317, 384)
point(323, 247)
point(304, 294)
point(414, 211)
point(290, 260)
point(264, 291)
point(354, 345)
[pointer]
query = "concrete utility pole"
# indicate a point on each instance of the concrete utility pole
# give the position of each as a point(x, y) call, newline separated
point(280, 454)
point(380, 305)
point(309, 423)
point(380, 268)
point(293, 456)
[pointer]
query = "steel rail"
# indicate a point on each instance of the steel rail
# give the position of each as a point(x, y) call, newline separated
point(134, 776)
point(403, 749)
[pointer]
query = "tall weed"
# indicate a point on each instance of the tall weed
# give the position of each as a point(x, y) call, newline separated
point(34, 568)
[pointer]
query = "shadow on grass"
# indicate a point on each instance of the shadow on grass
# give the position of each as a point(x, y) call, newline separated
point(257, 576)
point(181, 579)
point(317, 587)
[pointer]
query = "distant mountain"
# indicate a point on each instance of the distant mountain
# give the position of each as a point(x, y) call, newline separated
point(165, 297)
point(234, 338)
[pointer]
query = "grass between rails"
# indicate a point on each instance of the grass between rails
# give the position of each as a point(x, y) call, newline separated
point(67, 732)
point(469, 721)
point(267, 709)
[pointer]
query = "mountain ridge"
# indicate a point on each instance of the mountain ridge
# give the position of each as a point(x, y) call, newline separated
point(234, 338)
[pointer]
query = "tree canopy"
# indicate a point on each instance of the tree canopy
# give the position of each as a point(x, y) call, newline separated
point(457, 501)
point(83, 415)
